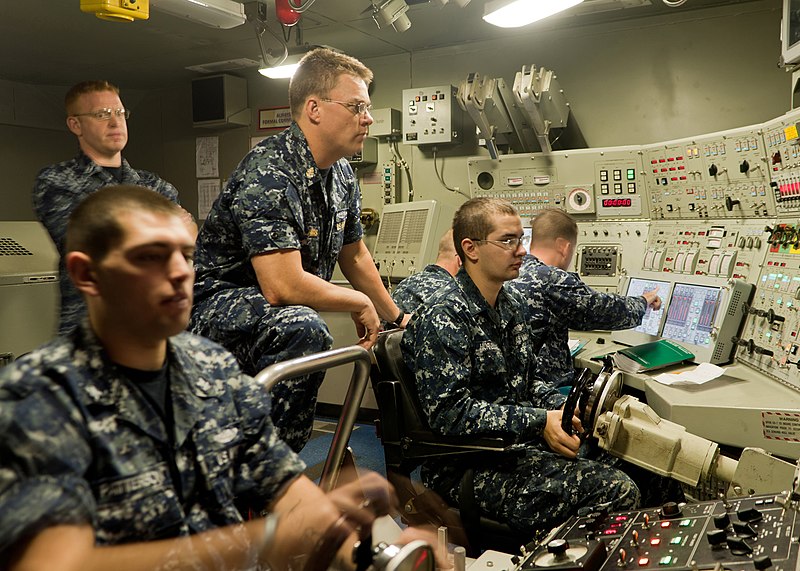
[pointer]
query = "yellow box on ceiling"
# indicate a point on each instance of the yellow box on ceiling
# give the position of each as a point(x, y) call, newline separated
point(117, 10)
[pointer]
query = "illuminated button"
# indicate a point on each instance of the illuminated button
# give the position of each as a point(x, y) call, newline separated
point(666, 560)
point(643, 561)
point(685, 523)
point(666, 523)
point(676, 540)
point(655, 541)
point(621, 518)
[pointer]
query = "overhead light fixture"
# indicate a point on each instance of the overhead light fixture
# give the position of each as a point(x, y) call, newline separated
point(518, 13)
point(283, 70)
point(222, 14)
point(391, 13)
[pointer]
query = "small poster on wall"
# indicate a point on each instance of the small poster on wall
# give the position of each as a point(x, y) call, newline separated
point(274, 118)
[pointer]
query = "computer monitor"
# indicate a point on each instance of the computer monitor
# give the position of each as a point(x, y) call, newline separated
point(527, 234)
point(790, 32)
point(692, 314)
point(650, 329)
point(651, 322)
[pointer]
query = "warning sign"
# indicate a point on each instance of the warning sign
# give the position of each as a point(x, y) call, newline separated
point(779, 425)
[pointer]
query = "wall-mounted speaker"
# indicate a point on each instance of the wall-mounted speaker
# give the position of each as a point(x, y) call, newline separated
point(220, 101)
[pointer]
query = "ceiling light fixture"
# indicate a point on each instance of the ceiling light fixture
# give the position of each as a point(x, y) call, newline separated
point(518, 13)
point(223, 14)
point(391, 13)
point(284, 69)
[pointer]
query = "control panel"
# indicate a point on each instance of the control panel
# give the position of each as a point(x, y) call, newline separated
point(769, 340)
point(721, 175)
point(715, 248)
point(750, 533)
point(431, 116)
point(605, 250)
point(599, 183)
point(783, 161)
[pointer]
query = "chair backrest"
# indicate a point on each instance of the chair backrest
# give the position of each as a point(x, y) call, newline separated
point(402, 418)
point(392, 368)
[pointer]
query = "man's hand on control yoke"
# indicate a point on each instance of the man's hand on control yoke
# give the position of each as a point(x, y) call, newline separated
point(559, 441)
point(367, 323)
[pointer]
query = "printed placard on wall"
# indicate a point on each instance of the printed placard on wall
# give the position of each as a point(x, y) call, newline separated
point(274, 118)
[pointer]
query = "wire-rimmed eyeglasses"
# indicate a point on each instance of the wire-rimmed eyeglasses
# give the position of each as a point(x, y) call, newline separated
point(508, 243)
point(105, 114)
point(356, 108)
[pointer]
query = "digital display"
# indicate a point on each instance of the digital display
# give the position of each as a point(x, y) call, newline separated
point(617, 202)
point(651, 322)
point(691, 313)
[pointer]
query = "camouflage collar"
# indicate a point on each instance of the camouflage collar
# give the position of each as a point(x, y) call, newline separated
point(90, 167)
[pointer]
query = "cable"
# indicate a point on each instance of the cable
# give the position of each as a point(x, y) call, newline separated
point(441, 176)
point(398, 159)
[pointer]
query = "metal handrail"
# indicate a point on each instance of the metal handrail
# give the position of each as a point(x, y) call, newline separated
point(352, 401)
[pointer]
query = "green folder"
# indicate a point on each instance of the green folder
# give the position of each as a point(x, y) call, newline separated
point(655, 355)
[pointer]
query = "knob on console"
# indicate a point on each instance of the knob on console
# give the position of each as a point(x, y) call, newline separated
point(716, 537)
point(670, 510)
point(763, 562)
point(722, 521)
point(749, 515)
point(558, 547)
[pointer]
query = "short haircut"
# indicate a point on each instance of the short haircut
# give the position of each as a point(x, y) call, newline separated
point(446, 246)
point(317, 75)
point(474, 219)
point(551, 224)
point(94, 227)
point(91, 86)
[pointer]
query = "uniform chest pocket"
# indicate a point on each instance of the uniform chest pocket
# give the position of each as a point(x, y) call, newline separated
point(141, 506)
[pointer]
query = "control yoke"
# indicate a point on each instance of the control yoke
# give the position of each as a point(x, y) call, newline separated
point(631, 430)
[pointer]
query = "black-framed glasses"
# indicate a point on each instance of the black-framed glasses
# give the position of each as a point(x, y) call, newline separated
point(508, 243)
point(356, 108)
point(105, 114)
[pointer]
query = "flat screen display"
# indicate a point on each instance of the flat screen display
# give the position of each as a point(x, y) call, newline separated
point(651, 322)
point(691, 313)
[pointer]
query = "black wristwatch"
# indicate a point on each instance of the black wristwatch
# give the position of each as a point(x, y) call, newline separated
point(399, 321)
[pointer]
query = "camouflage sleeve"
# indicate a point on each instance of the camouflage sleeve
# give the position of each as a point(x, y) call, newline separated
point(49, 211)
point(266, 208)
point(586, 309)
point(45, 454)
point(268, 464)
point(353, 231)
point(437, 349)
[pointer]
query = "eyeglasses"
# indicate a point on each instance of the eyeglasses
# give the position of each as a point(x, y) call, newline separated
point(106, 113)
point(508, 243)
point(355, 108)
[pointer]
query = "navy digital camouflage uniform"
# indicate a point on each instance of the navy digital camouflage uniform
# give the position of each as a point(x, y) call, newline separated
point(58, 190)
point(559, 301)
point(81, 445)
point(474, 368)
point(417, 289)
point(274, 200)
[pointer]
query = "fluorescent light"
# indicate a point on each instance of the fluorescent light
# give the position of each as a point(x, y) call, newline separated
point(283, 71)
point(518, 13)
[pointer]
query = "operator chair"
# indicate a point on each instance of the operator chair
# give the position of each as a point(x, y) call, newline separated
point(408, 440)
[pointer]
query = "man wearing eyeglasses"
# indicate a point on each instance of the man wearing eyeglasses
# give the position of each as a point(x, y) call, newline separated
point(472, 351)
point(289, 212)
point(96, 116)
point(560, 301)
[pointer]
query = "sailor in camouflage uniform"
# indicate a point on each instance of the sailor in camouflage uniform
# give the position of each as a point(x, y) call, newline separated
point(290, 212)
point(95, 115)
point(472, 353)
point(416, 289)
point(130, 429)
point(559, 301)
